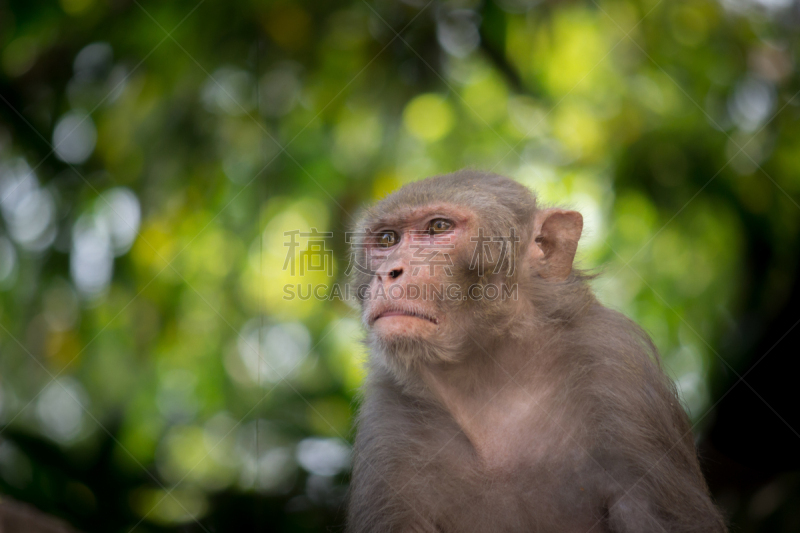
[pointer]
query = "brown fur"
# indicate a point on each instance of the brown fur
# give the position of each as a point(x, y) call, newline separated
point(550, 413)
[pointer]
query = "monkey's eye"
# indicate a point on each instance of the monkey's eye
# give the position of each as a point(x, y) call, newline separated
point(387, 239)
point(439, 225)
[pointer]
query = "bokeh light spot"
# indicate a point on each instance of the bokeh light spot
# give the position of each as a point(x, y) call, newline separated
point(429, 117)
point(74, 137)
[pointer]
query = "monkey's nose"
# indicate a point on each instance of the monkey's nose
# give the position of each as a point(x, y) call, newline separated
point(395, 273)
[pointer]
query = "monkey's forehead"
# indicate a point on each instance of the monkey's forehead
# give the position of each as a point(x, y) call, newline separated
point(409, 215)
point(467, 185)
point(465, 191)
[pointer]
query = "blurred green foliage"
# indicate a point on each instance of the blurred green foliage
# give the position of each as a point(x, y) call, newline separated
point(153, 155)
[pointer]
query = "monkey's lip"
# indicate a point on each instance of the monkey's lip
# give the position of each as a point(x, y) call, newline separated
point(404, 312)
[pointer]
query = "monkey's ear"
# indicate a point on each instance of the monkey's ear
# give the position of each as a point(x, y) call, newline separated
point(555, 240)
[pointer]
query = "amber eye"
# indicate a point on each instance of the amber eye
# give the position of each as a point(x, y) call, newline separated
point(439, 225)
point(387, 239)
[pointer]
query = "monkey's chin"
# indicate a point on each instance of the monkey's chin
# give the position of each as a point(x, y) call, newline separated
point(404, 349)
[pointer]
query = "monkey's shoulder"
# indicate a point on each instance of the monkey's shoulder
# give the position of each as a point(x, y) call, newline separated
point(397, 420)
point(397, 407)
point(622, 392)
point(613, 352)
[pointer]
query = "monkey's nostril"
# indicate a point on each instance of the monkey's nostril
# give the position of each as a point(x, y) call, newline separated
point(395, 273)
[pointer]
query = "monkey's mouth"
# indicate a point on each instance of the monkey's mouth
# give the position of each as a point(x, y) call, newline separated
point(404, 312)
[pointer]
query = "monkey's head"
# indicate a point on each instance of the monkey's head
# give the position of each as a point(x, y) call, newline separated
point(454, 261)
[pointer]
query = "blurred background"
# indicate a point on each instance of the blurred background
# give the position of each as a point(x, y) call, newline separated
point(153, 156)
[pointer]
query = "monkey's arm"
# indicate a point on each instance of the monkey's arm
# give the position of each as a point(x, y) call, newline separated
point(653, 477)
point(638, 510)
point(375, 506)
point(655, 482)
point(381, 497)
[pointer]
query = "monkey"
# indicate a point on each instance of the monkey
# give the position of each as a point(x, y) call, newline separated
point(535, 410)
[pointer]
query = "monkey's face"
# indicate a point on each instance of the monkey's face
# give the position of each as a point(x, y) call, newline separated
point(455, 264)
point(419, 278)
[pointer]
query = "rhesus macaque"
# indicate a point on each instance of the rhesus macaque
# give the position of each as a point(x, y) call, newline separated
point(535, 410)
